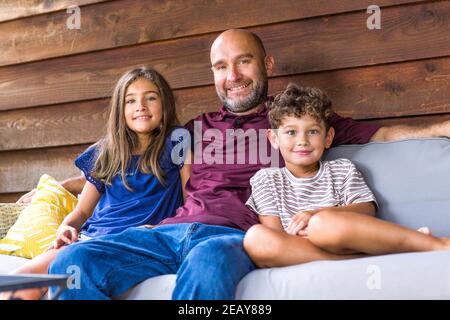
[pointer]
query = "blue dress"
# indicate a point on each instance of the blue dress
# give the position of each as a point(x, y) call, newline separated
point(148, 203)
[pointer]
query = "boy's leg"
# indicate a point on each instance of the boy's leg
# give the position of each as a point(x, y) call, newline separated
point(342, 232)
point(110, 265)
point(214, 264)
point(275, 248)
point(37, 265)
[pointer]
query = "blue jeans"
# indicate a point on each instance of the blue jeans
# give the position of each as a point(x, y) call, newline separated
point(209, 261)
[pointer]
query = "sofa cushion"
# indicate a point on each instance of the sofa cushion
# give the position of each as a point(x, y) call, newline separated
point(35, 228)
point(156, 288)
point(10, 263)
point(410, 179)
point(424, 275)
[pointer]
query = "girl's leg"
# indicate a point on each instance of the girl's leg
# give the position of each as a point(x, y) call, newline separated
point(275, 248)
point(38, 265)
point(349, 232)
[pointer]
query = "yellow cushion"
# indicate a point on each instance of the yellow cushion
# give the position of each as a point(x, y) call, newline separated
point(35, 228)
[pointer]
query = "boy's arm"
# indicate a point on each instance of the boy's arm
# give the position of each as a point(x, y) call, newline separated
point(367, 208)
point(300, 221)
point(272, 222)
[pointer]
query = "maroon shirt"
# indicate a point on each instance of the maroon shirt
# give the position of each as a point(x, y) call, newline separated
point(217, 192)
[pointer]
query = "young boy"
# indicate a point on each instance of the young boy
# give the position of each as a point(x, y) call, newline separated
point(325, 205)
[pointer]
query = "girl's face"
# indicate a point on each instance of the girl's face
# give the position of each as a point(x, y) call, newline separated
point(143, 107)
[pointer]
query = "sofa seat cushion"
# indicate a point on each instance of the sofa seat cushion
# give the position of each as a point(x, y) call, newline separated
point(9, 263)
point(409, 178)
point(156, 288)
point(424, 275)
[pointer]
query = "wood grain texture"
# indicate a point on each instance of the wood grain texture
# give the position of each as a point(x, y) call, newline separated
point(387, 91)
point(13, 9)
point(336, 42)
point(67, 124)
point(10, 197)
point(20, 170)
point(129, 22)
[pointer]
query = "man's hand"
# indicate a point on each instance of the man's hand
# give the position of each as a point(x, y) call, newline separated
point(299, 223)
point(26, 198)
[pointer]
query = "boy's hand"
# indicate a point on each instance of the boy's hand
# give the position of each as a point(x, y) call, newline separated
point(65, 235)
point(299, 223)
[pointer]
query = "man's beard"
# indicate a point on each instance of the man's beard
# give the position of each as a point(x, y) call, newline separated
point(256, 97)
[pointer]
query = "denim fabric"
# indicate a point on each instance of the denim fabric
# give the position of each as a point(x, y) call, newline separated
point(209, 261)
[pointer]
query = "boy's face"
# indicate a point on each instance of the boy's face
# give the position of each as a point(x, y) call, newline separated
point(301, 141)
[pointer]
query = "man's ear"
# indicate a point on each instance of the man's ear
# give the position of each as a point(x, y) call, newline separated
point(273, 138)
point(329, 138)
point(269, 62)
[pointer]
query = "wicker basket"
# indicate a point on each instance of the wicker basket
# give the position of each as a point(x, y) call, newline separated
point(9, 212)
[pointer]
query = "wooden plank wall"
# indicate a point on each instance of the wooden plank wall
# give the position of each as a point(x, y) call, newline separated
point(55, 82)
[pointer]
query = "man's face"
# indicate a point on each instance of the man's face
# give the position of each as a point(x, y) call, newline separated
point(240, 75)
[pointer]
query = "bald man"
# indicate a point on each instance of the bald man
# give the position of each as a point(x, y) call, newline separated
point(203, 242)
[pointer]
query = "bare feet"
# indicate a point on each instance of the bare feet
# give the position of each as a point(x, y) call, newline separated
point(425, 230)
point(445, 243)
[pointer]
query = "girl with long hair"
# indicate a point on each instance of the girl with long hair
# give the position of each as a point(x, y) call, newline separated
point(132, 179)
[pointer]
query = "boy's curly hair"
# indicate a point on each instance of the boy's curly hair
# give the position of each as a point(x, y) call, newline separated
point(297, 101)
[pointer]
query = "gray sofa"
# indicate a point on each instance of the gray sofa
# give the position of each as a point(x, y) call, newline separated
point(411, 180)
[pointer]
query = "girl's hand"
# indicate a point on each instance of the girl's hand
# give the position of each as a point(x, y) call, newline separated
point(299, 223)
point(65, 235)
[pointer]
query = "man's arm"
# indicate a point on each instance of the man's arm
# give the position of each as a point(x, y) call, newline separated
point(410, 132)
point(74, 185)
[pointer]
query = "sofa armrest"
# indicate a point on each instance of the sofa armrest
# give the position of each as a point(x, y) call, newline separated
point(9, 212)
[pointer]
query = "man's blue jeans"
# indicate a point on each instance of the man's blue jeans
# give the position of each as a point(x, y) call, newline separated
point(209, 261)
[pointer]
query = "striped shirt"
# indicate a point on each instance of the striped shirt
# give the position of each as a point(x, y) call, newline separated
point(277, 192)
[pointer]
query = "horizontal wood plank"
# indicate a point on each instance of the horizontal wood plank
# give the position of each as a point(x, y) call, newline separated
point(129, 22)
point(335, 42)
point(13, 9)
point(10, 197)
point(52, 126)
point(20, 170)
point(397, 90)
